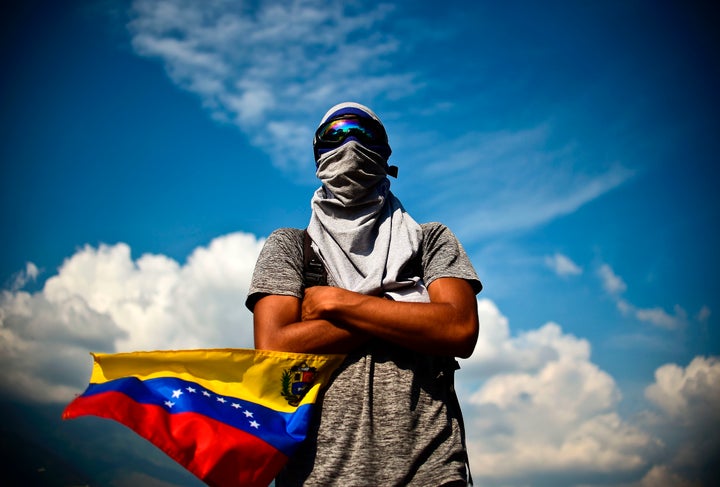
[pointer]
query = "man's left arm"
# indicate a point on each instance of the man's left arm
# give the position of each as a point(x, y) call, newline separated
point(447, 325)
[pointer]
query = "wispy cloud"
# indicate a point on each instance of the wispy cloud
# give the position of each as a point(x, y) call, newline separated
point(22, 278)
point(615, 286)
point(272, 68)
point(512, 181)
point(611, 282)
point(562, 265)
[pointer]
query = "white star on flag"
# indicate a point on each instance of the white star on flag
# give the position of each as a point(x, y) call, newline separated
point(248, 414)
point(177, 393)
point(206, 393)
point(191, 390)
point(169, 404)
point(236, 405)
point(254, 424)
point(220, 399)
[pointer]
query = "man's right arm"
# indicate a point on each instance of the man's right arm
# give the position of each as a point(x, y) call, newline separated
point(278, 326)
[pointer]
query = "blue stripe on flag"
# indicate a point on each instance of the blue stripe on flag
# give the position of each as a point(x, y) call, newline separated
point(283, 431)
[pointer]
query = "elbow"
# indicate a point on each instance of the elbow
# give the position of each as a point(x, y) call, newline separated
point(263, 344)
point(265, 339)
point(276, 342)
point(467, 338)
point(466, 348)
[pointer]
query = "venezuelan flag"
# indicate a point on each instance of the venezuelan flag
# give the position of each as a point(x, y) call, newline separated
point(230, 416)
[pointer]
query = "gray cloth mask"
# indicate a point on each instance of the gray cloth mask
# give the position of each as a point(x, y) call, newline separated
point(360, 229)
point(352, 173)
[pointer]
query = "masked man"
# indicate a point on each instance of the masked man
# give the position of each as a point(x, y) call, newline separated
point(399, 299)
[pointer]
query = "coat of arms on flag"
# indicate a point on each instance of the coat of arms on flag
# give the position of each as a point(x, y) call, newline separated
point(296, 381)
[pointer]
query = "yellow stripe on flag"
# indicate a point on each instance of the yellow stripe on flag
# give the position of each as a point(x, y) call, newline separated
point(252, 375)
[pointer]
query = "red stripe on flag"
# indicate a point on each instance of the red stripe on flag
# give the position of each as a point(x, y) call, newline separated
point(218, 454)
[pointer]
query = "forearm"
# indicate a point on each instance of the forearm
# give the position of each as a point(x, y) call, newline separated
point(279, 326)
point(424, 327)
point(315, 336)
point(448, 325)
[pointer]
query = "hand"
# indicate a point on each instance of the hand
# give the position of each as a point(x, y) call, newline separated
point(320, 301)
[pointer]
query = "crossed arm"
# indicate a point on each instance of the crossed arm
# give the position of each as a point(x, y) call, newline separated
point(334, 320)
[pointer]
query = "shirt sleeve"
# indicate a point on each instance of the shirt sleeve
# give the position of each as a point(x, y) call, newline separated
point(278, 269)
point(444, 256)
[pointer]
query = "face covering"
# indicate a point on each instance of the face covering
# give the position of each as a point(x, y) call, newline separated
point(359, 228)
point(353, 174)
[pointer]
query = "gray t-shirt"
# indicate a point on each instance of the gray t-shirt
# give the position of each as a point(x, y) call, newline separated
point(390, 415)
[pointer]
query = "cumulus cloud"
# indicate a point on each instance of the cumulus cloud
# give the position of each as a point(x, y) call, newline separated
point(538, 410)
point(686, 417)
point(662, 476)
point(103, 300)
point(543, 412)
point(496, 351)
point(562, 265)
point(273, 64)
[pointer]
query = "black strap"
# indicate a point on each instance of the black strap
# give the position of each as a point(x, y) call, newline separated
point(314, 273)
point(456, 403)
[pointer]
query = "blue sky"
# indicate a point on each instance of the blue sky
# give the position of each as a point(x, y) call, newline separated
point(148, 147)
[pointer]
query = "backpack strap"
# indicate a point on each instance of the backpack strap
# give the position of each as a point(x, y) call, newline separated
point(447, 368)
point(314, 273)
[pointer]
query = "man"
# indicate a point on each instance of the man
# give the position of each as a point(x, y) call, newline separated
point(400, 301)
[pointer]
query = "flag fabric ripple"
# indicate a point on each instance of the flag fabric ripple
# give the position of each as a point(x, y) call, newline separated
point(230, 416)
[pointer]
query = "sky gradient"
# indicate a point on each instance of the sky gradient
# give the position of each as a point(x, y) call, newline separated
point(149, 147)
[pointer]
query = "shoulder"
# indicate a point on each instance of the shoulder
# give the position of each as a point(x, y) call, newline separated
point(282, 245)
point(278, 269)
point(287, 234)
point(444, 256)
point(435, 233)
point(284, 239)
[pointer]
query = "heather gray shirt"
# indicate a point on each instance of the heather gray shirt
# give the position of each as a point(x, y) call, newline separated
point(389, 417)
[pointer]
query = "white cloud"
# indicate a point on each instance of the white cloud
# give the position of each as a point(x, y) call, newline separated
point(687, 418)
point(103, 300)
point(612, 283)
point(508, 180)
point(496, 351)
point(273, 68)
point(44, 344)
point(688, 394)
point(615, 286)
point(273, 61)
point(538, 410)
point(22, 278)
point(659, 317)
point(543, 409)
point(562, 265)
point(704, 314)
point(662, 476)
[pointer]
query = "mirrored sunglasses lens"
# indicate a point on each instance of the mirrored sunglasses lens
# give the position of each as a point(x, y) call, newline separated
point(338, 130)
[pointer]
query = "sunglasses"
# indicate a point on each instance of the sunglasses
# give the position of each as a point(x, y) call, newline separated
point(334, 132)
